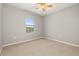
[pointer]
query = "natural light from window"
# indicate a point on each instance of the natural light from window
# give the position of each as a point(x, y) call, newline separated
point(29, 23)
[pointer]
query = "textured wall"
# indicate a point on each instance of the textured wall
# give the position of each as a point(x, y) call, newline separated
point(14, 27)
point(0, 26)
point(64, 24)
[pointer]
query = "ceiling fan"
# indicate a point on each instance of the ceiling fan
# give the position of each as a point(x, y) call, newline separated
point(44, 6)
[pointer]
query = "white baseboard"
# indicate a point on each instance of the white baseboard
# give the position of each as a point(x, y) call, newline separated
point(21, 41)
point(68, 43)
point(49, 38)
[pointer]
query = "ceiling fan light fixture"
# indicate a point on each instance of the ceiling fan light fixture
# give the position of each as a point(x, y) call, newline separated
point(44, 6)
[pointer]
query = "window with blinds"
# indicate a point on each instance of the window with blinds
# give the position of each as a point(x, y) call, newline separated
point(29, 23)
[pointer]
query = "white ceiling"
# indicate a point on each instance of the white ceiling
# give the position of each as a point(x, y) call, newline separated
point(32, 7)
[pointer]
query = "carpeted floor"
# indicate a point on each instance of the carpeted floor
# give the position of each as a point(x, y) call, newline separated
point(40, 47)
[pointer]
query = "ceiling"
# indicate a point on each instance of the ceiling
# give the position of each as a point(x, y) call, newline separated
point(32, 7)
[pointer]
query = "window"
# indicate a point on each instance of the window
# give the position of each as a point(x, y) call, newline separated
point(30, 25)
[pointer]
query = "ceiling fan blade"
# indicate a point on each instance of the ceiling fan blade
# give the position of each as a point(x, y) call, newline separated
point(50, 6)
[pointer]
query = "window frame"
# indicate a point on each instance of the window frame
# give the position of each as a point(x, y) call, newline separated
point(30, 28)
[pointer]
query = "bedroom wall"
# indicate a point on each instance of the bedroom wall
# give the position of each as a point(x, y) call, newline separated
point(14, 27)
point(0, 27)
point(63, 25)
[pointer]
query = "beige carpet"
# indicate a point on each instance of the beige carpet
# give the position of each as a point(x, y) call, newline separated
point(40, 47)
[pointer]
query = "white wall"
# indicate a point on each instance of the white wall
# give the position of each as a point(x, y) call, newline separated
point(63, 25)
point(14, 27)
point(0, 27)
